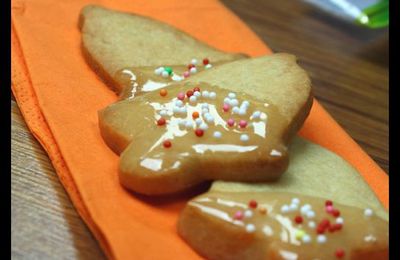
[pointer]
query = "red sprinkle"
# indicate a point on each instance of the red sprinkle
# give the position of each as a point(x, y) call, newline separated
point(298, 219)
point(199, 132)
point(336, 213)
point(161, 121)
point(325, 223)
point(189, 93)
point(338, 226)
point(320, 230)
point(190, 66)
point(253, 204)
point(328, 203)
point(206, 61)
point(332, 229)
point(339, 253)
point(196, 89)
point(167, 143)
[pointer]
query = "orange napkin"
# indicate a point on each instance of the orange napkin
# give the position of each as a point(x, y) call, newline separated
point(59, 96)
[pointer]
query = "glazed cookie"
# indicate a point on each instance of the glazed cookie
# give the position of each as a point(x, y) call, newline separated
point(320, 209)
point(116, 44)
point(229, 123)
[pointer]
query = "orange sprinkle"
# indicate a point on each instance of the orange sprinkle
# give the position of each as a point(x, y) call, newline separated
point(262, 210)
point(163, 92)
point(195, 115)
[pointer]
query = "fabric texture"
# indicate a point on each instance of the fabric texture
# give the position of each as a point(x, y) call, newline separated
point(59, 96)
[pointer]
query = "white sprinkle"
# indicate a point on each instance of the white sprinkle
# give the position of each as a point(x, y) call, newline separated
point(368, 212)
point(235, 110)
point(208, 66)
point(305, 208)
point(193, 99)
point(242, 112)
point(245, 103)
point(182, 110)
point(213, 95)
point(165, 74)
point(263, 116)
point(244, 138)
point(158, 71)
point(205, 105)
point(227, 100)
point(310, 214)
point(176, 109)
point(205, 94)
point(193, 70)
point(293, 207)
point(176, 77)
point(295, 201)
point(321, 239)
point(204, 111)
point(197, 94)
point(178, 103)
point(217, 134)
point(233, 102)
point(193, 61)
point(231, 95)
point(163, 113)
point(189, 124)
point(250, 228)
point(248, 213)
point(203, 126)
point(306, 239)
point(198, 121)
point(311, 224)
point(210, 119)
point(256, 114)
point(339, 220)
point(206, 115)
point(285, 209)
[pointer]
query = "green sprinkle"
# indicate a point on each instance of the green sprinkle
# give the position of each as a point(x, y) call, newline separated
point(168, 69)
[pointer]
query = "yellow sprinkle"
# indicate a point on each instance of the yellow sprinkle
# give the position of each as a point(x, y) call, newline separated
point(299, 234)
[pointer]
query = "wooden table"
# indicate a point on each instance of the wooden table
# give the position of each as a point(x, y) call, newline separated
point(349, 70)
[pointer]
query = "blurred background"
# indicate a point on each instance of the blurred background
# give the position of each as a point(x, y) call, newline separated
point(346, 59)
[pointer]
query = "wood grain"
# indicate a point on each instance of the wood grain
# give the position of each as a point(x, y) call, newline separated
point(44, 223)
point(349, 69)
point(348, 65)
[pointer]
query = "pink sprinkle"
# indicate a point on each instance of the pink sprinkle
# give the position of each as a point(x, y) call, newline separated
point(231, 122)
point(225, 107)
point(186, 74)
point(181, 96)
point(329, 209)
point(238, 215)
point(242, 123)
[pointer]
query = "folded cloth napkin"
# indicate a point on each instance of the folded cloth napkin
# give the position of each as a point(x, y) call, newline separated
point(59, 96)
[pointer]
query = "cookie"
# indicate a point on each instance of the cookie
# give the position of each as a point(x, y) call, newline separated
point(113, 42)
point(194, 131)
point(320, 209)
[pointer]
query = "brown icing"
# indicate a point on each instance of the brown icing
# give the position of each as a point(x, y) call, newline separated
point(212, 225)
point(256, 152)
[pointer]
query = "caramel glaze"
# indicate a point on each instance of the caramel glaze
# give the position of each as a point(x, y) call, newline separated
point(148, 167)
point(208, 225)
point(137, 80)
